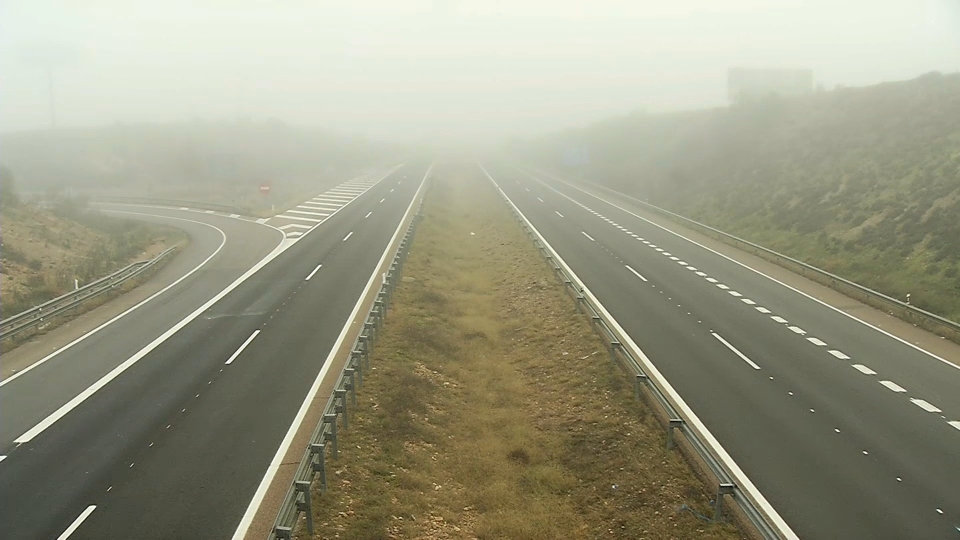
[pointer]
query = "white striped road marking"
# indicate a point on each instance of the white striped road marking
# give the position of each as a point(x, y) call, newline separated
point(558, 213)
point(234, 215)
point(864, 369)
point(763, 310)
point(735, 293)
point(284, 216)
point(925, 405)
point(588, 236)
point(955, 423)
point(893, 386)
point(324, 205)
point(779, 319)
point(3, 458)
point(797, 330)
point(634, 235)
point(326, 202)
point(244, 346)
point(349, 234)
point(294, 234)
point(368, 215)
point(539, 199)
point(635, 272)
point(294, 226)
point(304, 212)
point(816, 341)
point(839, 354)
point(350, 192)
point(668, 254)
point(748, 301)
point(335, 197)
point(734, 349)
point(526, 188)
point(711, 280)
point(722, 286)
point(76, 523)
point(319, 266)
point(261, 221)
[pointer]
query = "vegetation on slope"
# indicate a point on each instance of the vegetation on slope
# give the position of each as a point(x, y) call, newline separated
point(863, 182)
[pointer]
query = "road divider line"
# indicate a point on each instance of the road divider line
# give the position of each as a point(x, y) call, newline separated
point(735, 351)
point(763, 310)
point(368, 215)
point(383, 199)
point(242, 347)
point(3, 458)
point(539, 199)
point(955, 423)
point(314, 272)
point(347, 237)
point(588, 236)
point(839, 354)
point(864, 369)
point(893, 386)
point(77, 522)
point(925, 405)
point(817, 341)
point(635, 272)
point(558, 213)
point(797, 330)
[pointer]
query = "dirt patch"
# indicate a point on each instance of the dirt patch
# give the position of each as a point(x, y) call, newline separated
point(493, 410)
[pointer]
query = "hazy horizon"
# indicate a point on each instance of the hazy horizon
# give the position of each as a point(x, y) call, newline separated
point(439, 71)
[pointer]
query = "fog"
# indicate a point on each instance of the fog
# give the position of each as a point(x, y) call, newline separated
point(439, 70)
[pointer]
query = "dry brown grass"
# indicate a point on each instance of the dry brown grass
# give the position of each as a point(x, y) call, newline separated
point(493, 410)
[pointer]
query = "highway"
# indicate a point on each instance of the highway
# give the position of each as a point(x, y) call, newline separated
point(175, 433)
point(849, 432)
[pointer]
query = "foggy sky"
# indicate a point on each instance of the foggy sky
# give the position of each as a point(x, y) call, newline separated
point(440, 70)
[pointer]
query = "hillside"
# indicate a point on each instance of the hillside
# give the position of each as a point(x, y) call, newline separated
point(44, 250)
point(863, 182)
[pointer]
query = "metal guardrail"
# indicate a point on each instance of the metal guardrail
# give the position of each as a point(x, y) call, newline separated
point(226, 209)
point(324, 437)
point(646, 385)
point(910, 313)
point(39, 314)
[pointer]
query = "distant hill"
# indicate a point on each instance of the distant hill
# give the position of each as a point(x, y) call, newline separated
point(864, 182)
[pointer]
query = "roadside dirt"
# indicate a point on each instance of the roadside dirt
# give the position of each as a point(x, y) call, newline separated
point(493, 410)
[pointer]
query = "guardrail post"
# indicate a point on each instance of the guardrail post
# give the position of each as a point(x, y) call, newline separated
point(342, 407)
point(350, 372)
point(579, 299)
point(371, 331)
point(332, 420)
point(674, 424)
point(283, 533)
point(365, 350)
point(594, 320)
point(358, 366)
point(641, 379)
point(320, 465)
point(614, 347)
point(722, 489)
point(381, 308)
point(303, 488)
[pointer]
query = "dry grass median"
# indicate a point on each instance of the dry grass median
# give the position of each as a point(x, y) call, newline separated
point(493, 410)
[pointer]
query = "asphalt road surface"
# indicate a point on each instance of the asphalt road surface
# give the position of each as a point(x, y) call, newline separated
point(176, 440)
point(847, 431)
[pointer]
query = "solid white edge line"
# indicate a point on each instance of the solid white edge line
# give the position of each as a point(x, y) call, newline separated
point(735, 351)
point(242, 347)
point(223, 242)
point(274, 466)
point(53, 417)
point(744, 265)
point(635, 272)
point(77, 522)
point(693, 420)
point(314, 272)
point(349, 234)
point(588, 236)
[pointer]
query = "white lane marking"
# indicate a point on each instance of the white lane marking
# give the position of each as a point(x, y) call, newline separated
point(347, 192)
point(673, 258)
point(635, 272)
point(693, 420)
point(722, 286)
point(748, 301)
point(77, 522)
point(539, 199)
point(711, 280)
point(797, 330)
point(347, 237)
point(735, 293)
point(893, 386)
point(3, 458)
point(325, 207)
point(64, 409)
point(184, 208)
point(325, 202)
point(817, 341)
point(293, 226)
point(223, 241)
point(267, 479)
point(300, 218)
point(925, 405)
point(242, 347)
point(763, 310)
point(294, 234)
point(383, 199)
point(558, 213)
point(634, 235)
point(208, 211)
point(391, 190)
point(955, 423)
point(645, 241)
point(314, 272)
point(779, 319)
point(528, 189)
point(262, 221)
point(735, 351)
point(306, 213)
point(338, 198)
point(681, 263)
point(839, 354)
point(234, 215)
point(588, 236)
point(864, 369)
point(754, 270)
point(368, 215)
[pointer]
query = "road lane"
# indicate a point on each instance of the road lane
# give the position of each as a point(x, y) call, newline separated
point(780, 422)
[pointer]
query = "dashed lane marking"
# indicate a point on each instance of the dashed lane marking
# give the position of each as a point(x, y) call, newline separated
point(735, 351)
point(797, 330)
point(816, 341)
point(588, 236)
point(347, 237)
point(925, 405)
point(635, 272)
point(839, 354)
point(242, 347)
point(893, 386)
point(77, 522)
point(864, 369)
point(319, 266)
